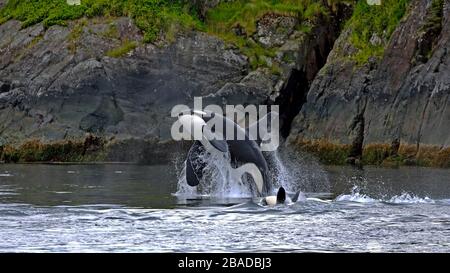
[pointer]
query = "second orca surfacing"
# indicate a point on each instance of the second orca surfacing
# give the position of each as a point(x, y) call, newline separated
point(280, 199)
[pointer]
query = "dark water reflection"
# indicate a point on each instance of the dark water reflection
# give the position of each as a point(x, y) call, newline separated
point(53, 185)
point(386, 182)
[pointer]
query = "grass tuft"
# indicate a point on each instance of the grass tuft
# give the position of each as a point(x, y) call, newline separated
point(122, 50)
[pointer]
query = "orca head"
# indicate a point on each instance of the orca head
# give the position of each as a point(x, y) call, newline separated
point(281, 196)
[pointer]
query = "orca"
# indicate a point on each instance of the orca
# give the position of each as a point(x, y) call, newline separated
point(280, 198)
point(245, 154)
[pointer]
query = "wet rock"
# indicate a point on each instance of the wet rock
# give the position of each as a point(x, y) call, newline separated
point(56, 85)
point(399, 101)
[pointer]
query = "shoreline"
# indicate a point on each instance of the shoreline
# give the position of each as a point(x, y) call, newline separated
point(375, 154)
point(94, 150)
point(106, 163)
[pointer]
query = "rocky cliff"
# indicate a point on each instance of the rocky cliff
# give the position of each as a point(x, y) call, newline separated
point(93, 90)
point(59, 84)
point(396, 107)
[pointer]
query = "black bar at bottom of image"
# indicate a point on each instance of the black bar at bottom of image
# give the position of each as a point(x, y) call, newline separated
point(224, 262)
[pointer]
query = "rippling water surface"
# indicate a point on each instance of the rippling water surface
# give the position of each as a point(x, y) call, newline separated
point(130, 208)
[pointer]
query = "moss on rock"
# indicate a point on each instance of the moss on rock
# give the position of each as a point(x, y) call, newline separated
point(379, 154)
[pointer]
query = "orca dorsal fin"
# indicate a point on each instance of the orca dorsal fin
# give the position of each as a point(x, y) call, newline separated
point(281, 195)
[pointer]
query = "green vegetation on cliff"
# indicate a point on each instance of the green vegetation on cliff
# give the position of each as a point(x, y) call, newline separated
point(434, 20)
point(122, 50)
point(246, 13)
point(231, 17)
point(163, 18)
point(372, 26)
point(154, 17)
point(430, 31)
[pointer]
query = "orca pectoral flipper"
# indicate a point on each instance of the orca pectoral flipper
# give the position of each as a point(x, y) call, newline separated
point(195, 165)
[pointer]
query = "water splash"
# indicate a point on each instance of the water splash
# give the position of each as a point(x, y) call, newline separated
point(216, 182)
point(355, 196)
point(407, 198)
point(296, 171)
point(286, 168)
point(404, 198)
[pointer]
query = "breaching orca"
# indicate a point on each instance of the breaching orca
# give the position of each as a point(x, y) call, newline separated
point(245, 154)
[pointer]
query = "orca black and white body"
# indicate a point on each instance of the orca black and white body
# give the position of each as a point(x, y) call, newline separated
point(245, 153)
point(280, 199)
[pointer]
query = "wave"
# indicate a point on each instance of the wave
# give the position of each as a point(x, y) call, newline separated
point(404, 198)
point(355, 197)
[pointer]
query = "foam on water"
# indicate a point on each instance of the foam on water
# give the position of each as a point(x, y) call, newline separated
point(6, 174)
point(407, 198)
point(285, 170)
point(404, 198)
point(217, 180)
point(355, 197)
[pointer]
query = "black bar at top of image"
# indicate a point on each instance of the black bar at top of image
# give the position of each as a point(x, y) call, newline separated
point(224, 262)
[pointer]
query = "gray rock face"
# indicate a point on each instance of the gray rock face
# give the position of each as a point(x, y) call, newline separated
point(60, 83)
point(57, 86)
point(396, 99)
